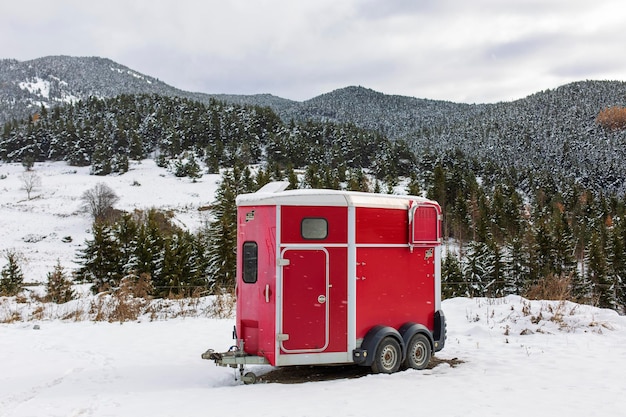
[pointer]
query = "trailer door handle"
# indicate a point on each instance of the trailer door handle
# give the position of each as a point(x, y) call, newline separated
point(267, 293)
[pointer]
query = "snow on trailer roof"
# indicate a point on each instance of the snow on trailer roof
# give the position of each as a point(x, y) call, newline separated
point(274, 194)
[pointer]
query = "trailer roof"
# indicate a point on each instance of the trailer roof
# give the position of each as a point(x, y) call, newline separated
point(273, 194)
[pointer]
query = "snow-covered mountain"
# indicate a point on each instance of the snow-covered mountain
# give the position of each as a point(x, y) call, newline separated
point(53, 80)
point(552, 134)
point(27, 85)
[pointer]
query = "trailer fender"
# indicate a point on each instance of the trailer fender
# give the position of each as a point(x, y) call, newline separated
point(365, 354)
point(408, 330)
point(441, 330)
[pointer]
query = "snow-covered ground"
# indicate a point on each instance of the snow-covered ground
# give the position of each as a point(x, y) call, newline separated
point(40, 229)
point(519, 358)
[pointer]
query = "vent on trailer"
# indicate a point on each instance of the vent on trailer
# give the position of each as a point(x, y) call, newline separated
point(424, 224)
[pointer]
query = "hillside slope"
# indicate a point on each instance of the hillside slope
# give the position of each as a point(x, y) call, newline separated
point(52, 226)
point(549, 137)
point(27, 85)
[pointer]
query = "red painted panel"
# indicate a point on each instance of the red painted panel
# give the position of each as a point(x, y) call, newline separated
point(302, 321)
point(305, 299)
point(338, 300)
point(291, 218)
point(394, 286)
point(255, 316)
point(381, 226)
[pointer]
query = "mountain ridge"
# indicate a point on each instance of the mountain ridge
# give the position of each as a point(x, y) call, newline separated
point(55, 80)
point(553, 132)
point(65, 79)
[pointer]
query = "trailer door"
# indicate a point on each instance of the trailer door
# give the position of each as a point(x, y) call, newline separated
point(305, 311)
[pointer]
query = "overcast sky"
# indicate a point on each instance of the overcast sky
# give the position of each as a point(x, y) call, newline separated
point(476, 51)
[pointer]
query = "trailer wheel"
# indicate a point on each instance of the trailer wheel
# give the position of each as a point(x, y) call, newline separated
point(388, 356)
point(418, 352)
point(249, 378)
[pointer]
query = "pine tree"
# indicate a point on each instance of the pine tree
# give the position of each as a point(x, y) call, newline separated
point(543, 251)
point(475, 269)
point(498, 216)
point(11, 275)
point(247, 182)
point(413, 186)
point(277, 173)
point(516, 265)
point(187, 166)
point(178, 266)
point(357, 181)
point(291, 177)
point(391, 182)
point(136, 149)
point(101, 259)
point(494, 265)
point(312, 177)
point(616, 264)
point(438, 188)
point(452, 283)
point(377, 189)
point(223, 231)
point(148, 245)
point(193, 168)
point(59, 287)
point(597, 274)
point(126, 232)
point(458, 219)
point(263, 177)
point(482, 219)
point(102, 158)
point(563, 246)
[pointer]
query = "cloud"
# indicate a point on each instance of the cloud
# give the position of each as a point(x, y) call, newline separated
point(484, 50)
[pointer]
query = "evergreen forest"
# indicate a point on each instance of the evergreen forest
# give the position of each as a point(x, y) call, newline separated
point(508, 229)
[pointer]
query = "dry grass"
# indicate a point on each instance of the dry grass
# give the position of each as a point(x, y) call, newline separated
point(11, 317)
point(223, 305)
point(553, 287)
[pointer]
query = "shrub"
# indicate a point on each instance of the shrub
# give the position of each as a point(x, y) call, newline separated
point(124, 303)
point(612, 118)
point(552, 287)
point(30, 182)
point(99, 201)
point(224, 304)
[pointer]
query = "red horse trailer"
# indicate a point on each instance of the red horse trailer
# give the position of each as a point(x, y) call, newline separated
point(336, 277)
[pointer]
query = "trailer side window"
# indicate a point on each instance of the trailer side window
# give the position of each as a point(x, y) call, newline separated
point(314, 228)
point(250, 262)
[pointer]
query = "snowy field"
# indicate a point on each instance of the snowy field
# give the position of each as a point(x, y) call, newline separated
point(40, 229)
point(518, 358)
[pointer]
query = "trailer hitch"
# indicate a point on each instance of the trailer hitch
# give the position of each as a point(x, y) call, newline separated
point(236, 358)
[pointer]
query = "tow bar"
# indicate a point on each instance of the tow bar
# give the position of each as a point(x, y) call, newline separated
point(236, 358)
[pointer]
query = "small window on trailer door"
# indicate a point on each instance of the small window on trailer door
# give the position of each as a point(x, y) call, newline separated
point(250, 262)
point(314, 228)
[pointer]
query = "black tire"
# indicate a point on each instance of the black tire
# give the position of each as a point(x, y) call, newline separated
point(388, 356)
point(418, 352)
